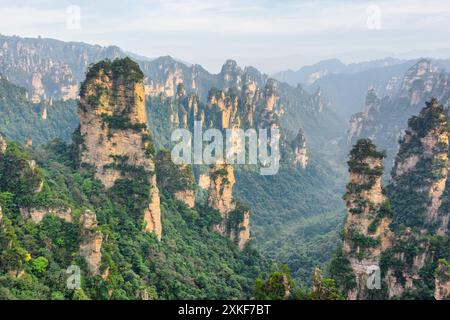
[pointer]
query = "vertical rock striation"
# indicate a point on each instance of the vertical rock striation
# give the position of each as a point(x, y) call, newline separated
point(442, 282)
point(91, 241)
point(300, 150)
point(113, 127)
point(404, 232)
point(235, 216)
point(418, 192)
point(366, 233)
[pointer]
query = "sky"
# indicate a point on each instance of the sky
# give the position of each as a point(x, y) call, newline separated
point(270, 35)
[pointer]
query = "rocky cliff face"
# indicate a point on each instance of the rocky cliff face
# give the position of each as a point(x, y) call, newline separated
point(49, 68)
point(423, 149)
point(113, 127)
point(91, 243)
point(226, 109)
point(3, 145)
point(442, 282)
point(177, 180)
point(19, 173)
point(418, 184)
point(234, 216)
point(384, 118)
point(221, 188)
point(26, 180)
point(405, 232)
point(421, 80)
point(37, 214)
point(366, 230)
point(300, 150)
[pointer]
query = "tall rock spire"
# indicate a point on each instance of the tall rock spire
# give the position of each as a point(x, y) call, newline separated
point(114, 130)
point(366, 230)
point(235, 216)
point(300, 149)
point(419, 194)
point(404, 231)
point(423, 153)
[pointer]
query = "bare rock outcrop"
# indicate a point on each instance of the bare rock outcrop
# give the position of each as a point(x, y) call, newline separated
point(114, 129)
point(301, 152)
point(366, 231)
point(442, 282)
point(38, 214)
point(3, 145)
point(425, 147)
point(176, 179)
point(235, 216)
point(419, 196)
point(187, 197)
point(91, 243)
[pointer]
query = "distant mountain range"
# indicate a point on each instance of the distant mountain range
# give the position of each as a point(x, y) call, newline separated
point(345, 84)
point(51, 70)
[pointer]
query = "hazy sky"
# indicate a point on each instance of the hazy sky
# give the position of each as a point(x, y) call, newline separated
point(270, 35)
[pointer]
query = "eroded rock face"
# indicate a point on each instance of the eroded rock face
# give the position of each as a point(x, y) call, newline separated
point(241, 233)
point(152, 215)
point(396, 228)
point(19, 171)
point(366, 231)
point(421, 79)
point(44, 113)
point(227, 108)
point(3, 145)
point(221, 188)
point(91, 243)
point(355, 126)
point(300, 150)
point(385, 118)
point(167, 76)
point(38, 214)
point(235, 216)
point(204, 181)
point(419, 194)
point(113, 126)
point(425, 147)
point(187, 197)
point(442, 282)
point(231, 74)
point(270, 91)
point(39, 65)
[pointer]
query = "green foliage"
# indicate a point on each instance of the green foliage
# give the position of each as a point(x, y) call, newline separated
point(236, 217)
point(385, 211)
point(278, 286)
point(362, 241)
point(410, 194)
point(121, 121)
point(326, 289)
point(293, 222)
point(191, 261)
point(125, 67)
point(222, 173)
point(431, 117)
point(362, 151)
point(20, 177)
point(410, 248)
point(39, 265)
point(21, 119)
point(172, 177)
point(340, 269)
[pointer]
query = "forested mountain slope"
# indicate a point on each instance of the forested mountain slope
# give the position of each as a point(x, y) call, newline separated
point(59, 212)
